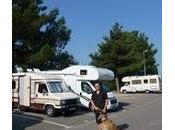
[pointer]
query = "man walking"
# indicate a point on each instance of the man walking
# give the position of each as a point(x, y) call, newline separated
point(99, 100)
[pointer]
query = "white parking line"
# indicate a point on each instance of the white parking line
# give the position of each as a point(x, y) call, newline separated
point(44, 121)
point(84, 124)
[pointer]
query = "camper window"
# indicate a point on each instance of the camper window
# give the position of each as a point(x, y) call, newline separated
point(153, 81)
point(42, 88)
point(145, 81)
point(83, 72)
point(86, 88)
point(136, 82)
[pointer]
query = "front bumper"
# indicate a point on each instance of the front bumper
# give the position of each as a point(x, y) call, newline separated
point(69, 108)
point(113, 104)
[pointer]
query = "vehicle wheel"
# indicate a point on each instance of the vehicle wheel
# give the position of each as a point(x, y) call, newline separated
point(124, 91)
point(50, 111)
point(147, 91)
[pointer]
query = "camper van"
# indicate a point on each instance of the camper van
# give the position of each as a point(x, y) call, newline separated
point(149, 83)
point(42, 92)
point(80, 80)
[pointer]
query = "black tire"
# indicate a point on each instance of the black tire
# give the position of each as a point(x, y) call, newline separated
point(124, 91)
point(50, 111)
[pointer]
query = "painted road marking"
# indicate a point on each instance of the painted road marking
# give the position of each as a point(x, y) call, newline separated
point(44, 121)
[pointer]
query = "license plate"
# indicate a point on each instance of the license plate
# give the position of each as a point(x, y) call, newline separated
point(71, 109)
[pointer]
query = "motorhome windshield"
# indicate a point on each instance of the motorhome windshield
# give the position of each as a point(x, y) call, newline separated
point(57, 87)
point(105, 88)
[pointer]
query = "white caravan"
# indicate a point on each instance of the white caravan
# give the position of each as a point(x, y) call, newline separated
point(42, 92)
point(149, 83)
point(80, 79)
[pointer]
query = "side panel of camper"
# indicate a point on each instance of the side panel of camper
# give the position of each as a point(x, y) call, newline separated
point(24, 91)
point(85, 92)
point(142, 84)
point(15, 101)
point(154, 84)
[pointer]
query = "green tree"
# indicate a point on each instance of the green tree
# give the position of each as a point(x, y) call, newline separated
point(60, 61)
point(122, 52)
point(38, 34)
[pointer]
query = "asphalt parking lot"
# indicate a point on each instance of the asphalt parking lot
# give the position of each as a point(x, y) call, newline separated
point(135, 112)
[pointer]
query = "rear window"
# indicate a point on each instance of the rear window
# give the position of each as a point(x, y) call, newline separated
point(136, 82)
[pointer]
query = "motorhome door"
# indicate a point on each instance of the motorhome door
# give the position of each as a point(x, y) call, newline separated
point(41, 95)
point(24, 91)
point(85, 93)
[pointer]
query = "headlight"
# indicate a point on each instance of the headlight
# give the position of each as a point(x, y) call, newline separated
point(63, 102)
point(58, 103)
point(78, 100)
point(113, 101)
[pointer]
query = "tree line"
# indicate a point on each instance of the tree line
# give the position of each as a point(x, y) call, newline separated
point(39, 36)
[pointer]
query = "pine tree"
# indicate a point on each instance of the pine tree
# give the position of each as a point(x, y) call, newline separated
point(122, 51)
point(38, 34)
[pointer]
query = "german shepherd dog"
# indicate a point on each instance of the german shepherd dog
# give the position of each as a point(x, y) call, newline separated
point(106, 123)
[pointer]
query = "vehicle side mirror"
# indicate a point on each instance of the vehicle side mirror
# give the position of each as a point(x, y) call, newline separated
point(45, 92)
point(69, 88)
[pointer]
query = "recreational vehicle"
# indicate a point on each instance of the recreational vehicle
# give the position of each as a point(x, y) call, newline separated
point(80, 80)
point(149, 83)
point(42, 92)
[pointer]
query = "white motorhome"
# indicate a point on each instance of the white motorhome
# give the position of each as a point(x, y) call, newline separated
point(42, 92)
point(149, 83)
point(80, 79)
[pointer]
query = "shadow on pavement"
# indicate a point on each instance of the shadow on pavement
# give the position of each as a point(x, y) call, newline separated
point(123, 126)
point(121, 105)
point(79, 111)
point(21, 121)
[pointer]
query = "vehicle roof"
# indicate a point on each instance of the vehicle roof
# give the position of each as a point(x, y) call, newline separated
point(129, 78)
point(35, 75)
point(92, 72)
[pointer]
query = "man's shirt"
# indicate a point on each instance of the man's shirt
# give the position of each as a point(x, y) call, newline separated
point(99, 99)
